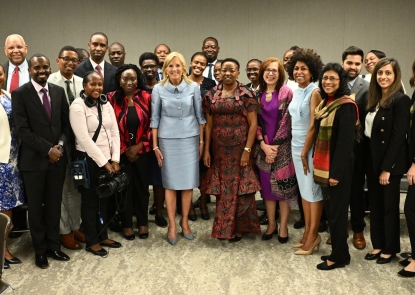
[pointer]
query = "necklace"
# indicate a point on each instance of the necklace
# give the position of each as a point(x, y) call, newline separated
point(268, 96)
point(230, 91)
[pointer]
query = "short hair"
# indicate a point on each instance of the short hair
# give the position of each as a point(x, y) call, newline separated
point(81, 50)
point(88, 75)
point(412, 79)
point(374, 96)
point(99, 33)
point(211, 38)
point(166, 64)
point(352, 50)
point(198, 53)
point(148, 55)
point(219, 61)
point(310, 58)
point(281, 74)
point(117, 43)
point(231, 60)
point(67, 48)
point(343, 87)
point(379, 54)
point(254, 59)
point(37, 55)
point(119, 96)
point(155, 49)
point(295, 47)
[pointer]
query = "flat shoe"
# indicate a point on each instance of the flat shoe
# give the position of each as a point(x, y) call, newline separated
point(101, 252)
point(404, 262)
point(406, 274)
point(14, 260)
point(370, 256)
point(235, 239)
point(325, 257)
point(129, 237)
point(192, 217)
point(324, 266)
point(111, 245)
point(382, 260)
point(143, 235)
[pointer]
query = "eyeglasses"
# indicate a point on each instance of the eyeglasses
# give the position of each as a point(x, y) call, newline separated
point(331, 79)
point(148, 68)
point(67, 59)
point(273, 71)
point(248, 70)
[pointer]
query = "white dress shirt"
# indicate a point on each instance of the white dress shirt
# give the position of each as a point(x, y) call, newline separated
point(24, 76)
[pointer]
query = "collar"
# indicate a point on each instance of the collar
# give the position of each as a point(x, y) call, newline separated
point(64, 79)
point(39, 87)
point(240, 90)
point(23, 67)
point(94, 65)
point(171, 88)
point(351, 83)
point(213, 63)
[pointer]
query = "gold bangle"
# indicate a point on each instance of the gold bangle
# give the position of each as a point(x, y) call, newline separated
point(156, 148)
point(201, 141)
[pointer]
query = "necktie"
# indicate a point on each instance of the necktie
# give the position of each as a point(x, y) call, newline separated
point(161, 75)
point(69, 91)
point(46, 103)
point(98, 68)
point(14, 83)
point(210, 71)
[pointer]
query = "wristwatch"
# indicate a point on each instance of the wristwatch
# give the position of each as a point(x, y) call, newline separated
point(247, 149)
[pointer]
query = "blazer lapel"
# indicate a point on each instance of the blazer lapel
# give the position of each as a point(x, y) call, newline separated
point(107, 76)
point(36, 100)
point(357, 86)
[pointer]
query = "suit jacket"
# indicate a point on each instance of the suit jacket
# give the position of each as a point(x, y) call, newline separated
point(388, 142)
point(57, 79)
point(36, 132)
point(6, 70)
point(360, 89)
point(109, 71)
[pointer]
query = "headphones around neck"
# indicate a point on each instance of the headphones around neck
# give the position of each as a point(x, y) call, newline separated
point(91, 102)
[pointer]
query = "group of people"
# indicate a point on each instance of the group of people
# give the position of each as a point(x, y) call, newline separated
point(302, 133)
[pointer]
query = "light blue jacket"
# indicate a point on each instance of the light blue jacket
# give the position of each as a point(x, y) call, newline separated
point(176, 111)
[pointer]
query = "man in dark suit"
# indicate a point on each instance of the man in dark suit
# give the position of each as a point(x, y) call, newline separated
point(98, 46)
point(41, 116)
point(352, 63)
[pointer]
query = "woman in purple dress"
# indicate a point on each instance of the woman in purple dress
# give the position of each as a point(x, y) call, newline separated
point(273, 153)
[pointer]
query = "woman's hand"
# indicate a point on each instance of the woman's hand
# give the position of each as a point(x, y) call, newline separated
point(115, 166)
point(411, 174)
point(271, 152)
point(159, 156)
point(244, 158)
point(304, 160)
point(384, 178)
point(333, 182)
point(132, 152)
point(109, 167)
point(201, 147)
point(206, 159)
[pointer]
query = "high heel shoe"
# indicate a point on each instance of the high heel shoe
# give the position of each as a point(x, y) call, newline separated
point(309, 252)
point(16, 260)
point(281, 239)
point(205, 216)
point(298, 245)
point(186, 236)
point(266, 237)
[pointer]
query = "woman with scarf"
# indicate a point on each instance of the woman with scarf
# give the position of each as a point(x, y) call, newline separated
point(336, 120)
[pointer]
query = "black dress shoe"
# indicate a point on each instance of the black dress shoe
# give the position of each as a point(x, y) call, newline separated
point(266, 237)
point(192, 217)
point(41, 261)
point(282, 240)
point(14, 260)
point(406, 274)
point(382, 260)
point(152, 210)
point(129, 237)
point(299, 224)
point(100, 252)
point(143, 235)
point(205, 216)
point(372, 256)
point(6, 265)
point(325, 257)
point(161, 221)
point(57, 255)
point(263, 220)
point(325, 266)
point(111, 245)
point(235, 239)
point(404, 262)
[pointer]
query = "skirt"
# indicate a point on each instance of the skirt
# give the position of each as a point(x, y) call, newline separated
point(180, 169)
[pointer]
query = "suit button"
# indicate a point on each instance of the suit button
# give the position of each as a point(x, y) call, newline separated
point(179, 108)
point(178, 97)
point(383, 142)
point(381, 130)
point(383, 118)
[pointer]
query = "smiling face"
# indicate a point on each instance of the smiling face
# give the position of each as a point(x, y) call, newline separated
point(39, 70)
point(302, 74)
point(198, 65)
point(229, 73)
point(94, 86)
point(174, 70)
point(211, 49)
point(252, 71)
point(385, 77)
point(271, 75)
point(98, 46)
point(129, 81)
point(67, 63)
point(15, 49)
point(370, 62)
point(217, 72)
point(149, 69)
point(352, 65)
point(330, 82)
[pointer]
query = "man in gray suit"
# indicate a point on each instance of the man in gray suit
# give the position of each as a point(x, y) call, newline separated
point(352, 61)
point(67, 61)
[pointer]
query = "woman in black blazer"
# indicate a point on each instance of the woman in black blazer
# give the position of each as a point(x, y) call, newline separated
point(336, 120)
point(198, 64)
point(387, 124)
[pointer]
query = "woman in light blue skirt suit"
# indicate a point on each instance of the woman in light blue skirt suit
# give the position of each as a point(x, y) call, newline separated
point(177, 123)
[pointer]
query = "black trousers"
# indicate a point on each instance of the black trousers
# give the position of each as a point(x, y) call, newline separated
point(410, 216)
point(357, 196)
point(44, 197)
point(337, 211)
point(93, 208)
point(137, 193)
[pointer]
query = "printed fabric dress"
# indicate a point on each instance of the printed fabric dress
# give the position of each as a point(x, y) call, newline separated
point(11, 184)
point(233, 185)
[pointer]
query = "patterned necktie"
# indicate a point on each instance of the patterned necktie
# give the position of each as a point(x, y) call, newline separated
point(69, 92)
point(14, 83)
point(46, 102)
point(210, 71)
point(98, 68)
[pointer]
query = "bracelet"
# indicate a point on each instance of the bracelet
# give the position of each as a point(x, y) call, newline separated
point(156, 148)
point(261, 140)
point(116, 161)
point(201, 141)
point(302, 158)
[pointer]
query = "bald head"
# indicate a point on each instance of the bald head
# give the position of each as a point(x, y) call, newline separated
point(15, 49)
